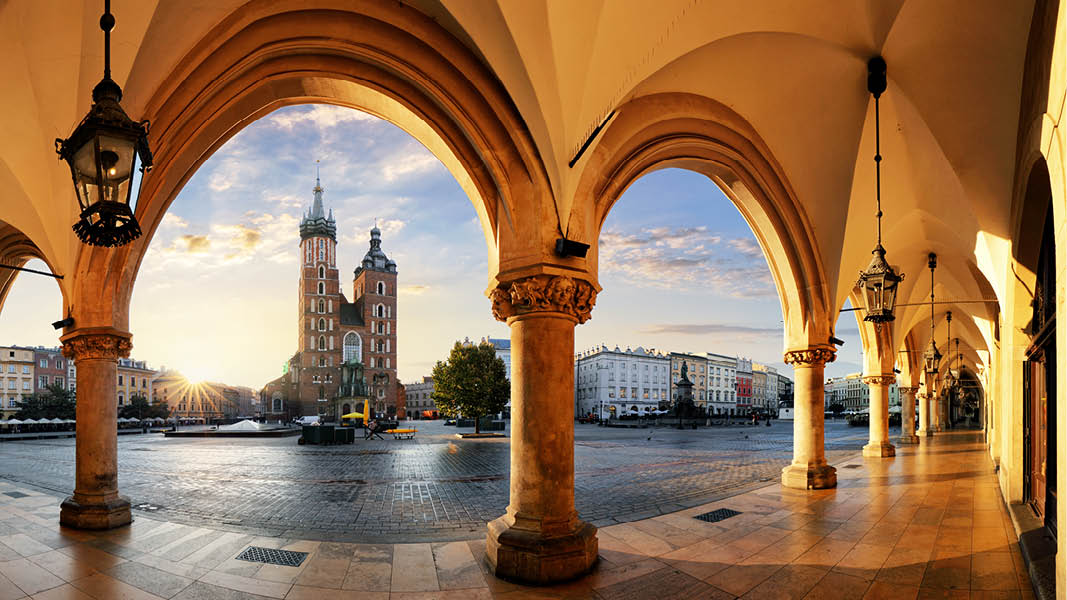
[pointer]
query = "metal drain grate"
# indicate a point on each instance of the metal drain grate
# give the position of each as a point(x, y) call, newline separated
point(272, 556)
point(851, 466)
point(717, 515)
point(16, 494)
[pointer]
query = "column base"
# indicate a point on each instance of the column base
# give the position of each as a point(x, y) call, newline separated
point(106, 515)
point(531, 556)
point(908, 439)
point(879, 450)
point(924, 433)
point(803, 477)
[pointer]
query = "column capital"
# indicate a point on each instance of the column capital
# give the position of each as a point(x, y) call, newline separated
point(544, 293)
point(810, 356)
point(96, 342)
point(879, 379)
point(908, 389)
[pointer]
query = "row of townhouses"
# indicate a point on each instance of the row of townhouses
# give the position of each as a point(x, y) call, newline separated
point(852, 393)
point(610, 382)
point(29, 370)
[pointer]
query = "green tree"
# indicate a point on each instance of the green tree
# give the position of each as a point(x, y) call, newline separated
point(56, 402)
point(140, 408)
point(837, 408)
point(472, 383)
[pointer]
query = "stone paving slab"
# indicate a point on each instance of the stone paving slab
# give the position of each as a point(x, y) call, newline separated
point(435, 488)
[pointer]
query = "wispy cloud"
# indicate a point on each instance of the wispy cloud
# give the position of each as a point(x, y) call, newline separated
point(320, 116)
point(411, 164)
point(414, 290)
point(691, 256)
point(710, 329)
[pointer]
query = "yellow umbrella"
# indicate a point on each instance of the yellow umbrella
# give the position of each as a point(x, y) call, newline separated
point(352, 416)
point(366, 409)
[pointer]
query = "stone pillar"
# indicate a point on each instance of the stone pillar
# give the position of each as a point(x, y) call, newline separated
point(540, 538)
point(925, 427)
point(907, 416)
point(935, 409)
point(878, 445)
point(96, 503)
point(809, 469)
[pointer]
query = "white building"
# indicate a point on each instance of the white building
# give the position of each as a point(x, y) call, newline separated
point(418, 399)
point(769, 389)
point(613, 382)
point(722, 384)
point(503, 352)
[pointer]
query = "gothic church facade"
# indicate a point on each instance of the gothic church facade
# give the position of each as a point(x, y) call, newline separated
point(334, 332)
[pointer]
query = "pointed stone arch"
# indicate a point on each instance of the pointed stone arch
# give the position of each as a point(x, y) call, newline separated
point(700, 134)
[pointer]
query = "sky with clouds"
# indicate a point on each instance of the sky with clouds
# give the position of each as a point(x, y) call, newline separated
point(216, 295)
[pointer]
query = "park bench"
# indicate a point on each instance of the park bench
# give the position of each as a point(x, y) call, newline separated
point(403, 434)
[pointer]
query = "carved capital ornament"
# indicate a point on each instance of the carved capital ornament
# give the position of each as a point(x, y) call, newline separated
point(544, 293)
point(908, 390)
point(97, 346)
point(811, 356)
point(879, 379)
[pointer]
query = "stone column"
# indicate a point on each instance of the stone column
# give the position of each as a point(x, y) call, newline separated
point(809, 469)
point(925, 428)
point(935, 408)
point(96, 503)
point(540, 538)
point(878, 445)
point(907, 416)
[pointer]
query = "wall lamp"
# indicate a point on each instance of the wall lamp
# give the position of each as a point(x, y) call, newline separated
point(565, 247)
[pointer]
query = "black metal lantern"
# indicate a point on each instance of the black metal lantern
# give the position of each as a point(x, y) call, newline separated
point(931, 358)
point(878, 282)
point(103, 154)
point(950, 380)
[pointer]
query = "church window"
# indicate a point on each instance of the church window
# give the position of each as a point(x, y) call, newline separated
point(322, 288)
point(322, 361)
point(353, 347)
point(381, 288)
point(331, 342)
point(322, 324)
point(331, 306)
point(322, 306)
point(380, 346)
point(322, 393)
point(322, 272)
point(331, 324)
point(387, 363)
point(322, 343)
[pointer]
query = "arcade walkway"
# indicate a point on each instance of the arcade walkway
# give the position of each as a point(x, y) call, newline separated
point(929, 523)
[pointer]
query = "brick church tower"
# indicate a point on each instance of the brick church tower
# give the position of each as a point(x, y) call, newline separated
point(335, 332)
point(375, 293)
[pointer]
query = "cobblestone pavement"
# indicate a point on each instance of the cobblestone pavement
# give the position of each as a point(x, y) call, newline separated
point(436, 487)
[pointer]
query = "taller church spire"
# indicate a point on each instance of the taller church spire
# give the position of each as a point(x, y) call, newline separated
point(317, 222)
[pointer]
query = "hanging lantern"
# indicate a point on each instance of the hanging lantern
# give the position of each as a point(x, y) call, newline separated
point(931, 358)
point(878, 282)
point(103, 154)
point(950, 381)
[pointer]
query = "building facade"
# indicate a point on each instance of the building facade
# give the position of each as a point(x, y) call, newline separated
point(335, 333)
point(50, 368)
point(744, 386)
point(767, 395)
point(419, 401)
point(722, 384)
point(698, 371)
point(610, 383)
point(134, 379)
point(17, 378)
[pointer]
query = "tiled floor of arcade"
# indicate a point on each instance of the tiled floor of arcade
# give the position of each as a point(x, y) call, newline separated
point(929, 523)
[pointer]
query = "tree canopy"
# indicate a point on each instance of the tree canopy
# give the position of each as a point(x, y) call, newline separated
point(56, 402)
point(472, 382)
point(140, 408)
